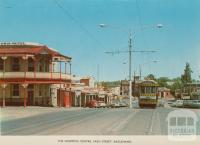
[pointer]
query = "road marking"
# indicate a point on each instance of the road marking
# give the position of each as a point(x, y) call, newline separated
point(152, 123)
point(119, 124)
point(24, 128)
point(70, 124)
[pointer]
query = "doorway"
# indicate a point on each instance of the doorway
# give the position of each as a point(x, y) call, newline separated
point(30, 98)
point(30, 95)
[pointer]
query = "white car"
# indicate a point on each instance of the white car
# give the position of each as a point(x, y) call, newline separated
point(171, 103)
point(114, 105)
point(102, 104)
point(179, 103)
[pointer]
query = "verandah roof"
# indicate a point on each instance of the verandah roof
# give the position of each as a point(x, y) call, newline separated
point(29, 50)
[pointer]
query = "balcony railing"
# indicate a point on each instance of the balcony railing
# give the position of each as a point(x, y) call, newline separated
point(37, 75)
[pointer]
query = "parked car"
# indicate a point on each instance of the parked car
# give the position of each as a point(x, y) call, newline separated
point(179, 103)
point(122, 104)
point(187, 103)
point(171, 103)
point(92, 104)
point(191, 103)
point(118, 105)
point(114, 105)
point(196, 104)
point(102, 104)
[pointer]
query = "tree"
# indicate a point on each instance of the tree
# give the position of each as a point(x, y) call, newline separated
point(104, 85)
point(150, 77)
point(107, 85)
point(186, 77)
point(176, 85)
point(162, 81)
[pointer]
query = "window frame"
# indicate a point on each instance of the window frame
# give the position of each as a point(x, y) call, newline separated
point(15, 90)
point(1, 64)
point(15, 64)
point(30, 65)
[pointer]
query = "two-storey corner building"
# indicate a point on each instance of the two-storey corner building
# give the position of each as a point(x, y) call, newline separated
point(33, 75)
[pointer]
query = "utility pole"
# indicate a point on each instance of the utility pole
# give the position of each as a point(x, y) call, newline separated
point(97, 75)
point(140, 72)
point(129, 51)
point(130, 69)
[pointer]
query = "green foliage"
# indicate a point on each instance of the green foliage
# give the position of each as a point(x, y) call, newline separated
point(173, 84)
point(176, 85)
point(186, 77)
point(150, 77)
point(110, 84)
point(162, 81)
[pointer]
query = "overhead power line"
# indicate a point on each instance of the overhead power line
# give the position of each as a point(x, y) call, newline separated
point(126, 51)
point(140, 22)
point(66, 11)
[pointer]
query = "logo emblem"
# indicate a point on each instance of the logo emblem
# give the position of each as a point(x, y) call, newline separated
point(182, 125)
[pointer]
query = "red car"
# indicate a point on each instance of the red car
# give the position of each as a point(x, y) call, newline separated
point(92, 104)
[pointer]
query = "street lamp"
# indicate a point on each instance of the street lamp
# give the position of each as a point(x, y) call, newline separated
point(129, 51)
point(102, 25)
point(140, 66)
point(159, 25)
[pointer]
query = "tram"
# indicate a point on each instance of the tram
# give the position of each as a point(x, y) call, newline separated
point(148, 96)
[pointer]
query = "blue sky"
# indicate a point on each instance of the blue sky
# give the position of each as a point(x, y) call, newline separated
point(73, 30)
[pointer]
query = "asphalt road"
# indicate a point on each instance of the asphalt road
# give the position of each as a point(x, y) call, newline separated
point(103, 121)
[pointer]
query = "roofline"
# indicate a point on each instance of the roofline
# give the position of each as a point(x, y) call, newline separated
point(7, 44)
point(29, 44)
point(67, 57)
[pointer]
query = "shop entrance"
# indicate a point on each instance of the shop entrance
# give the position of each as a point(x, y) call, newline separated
point(30, 95)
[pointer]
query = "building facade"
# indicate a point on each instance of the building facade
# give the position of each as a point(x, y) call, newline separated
point(88, 81)
point(165, 93)
point(191, 91)
point(84, 90)
point(33, 75)
point(124, 87)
